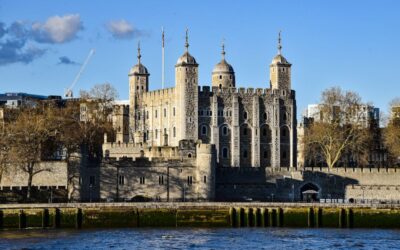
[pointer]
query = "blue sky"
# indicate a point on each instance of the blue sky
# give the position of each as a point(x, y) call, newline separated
point(351, 44)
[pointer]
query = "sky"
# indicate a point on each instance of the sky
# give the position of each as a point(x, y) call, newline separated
point(351, 44)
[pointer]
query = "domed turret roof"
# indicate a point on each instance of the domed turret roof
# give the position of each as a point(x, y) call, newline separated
point(223, 66)
point(186, 58)
point(139, 68)
point(279, 59)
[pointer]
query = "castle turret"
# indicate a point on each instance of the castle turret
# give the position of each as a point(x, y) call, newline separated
point(280, 70)
point(186, 81)
point(138, 84)
point(205, 172)
point(223, 75)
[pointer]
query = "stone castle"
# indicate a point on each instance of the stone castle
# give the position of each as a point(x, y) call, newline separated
point(207, 128)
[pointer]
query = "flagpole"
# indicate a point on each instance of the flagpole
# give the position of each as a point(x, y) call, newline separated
point(162, 63)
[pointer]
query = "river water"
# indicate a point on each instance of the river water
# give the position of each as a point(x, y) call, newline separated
point(255, 238)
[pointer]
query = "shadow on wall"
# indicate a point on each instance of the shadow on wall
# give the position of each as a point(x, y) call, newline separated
point(262, 184)
point(143, 180)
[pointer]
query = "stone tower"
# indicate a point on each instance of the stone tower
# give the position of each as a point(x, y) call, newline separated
point(280, 71)
point(186, 87)
point(223, 75)
point(138, 84)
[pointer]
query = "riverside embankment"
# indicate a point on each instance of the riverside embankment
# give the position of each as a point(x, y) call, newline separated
point(198, 214)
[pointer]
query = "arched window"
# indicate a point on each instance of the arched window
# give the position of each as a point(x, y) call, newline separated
point(225, 153)
point(284, 116)
point(245, 115)
point(155, 114)
point(174, 111)
point(265, 116)
point(264, 132)
point(204, 130)
point(156, 132)
point(165, 112)
point(225, 130)
point(244, 131)
point(174, 131)
point(220, 76)
point(165, 131)
point(220, 86)
point(147, 114)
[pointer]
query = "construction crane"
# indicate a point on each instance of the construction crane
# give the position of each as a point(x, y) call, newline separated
point(68, 92)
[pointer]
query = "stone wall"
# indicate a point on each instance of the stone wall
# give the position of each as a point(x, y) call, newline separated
point(53, 173)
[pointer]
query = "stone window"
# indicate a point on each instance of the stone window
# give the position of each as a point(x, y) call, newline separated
point(265, 154)
point(190, 180)
point(210, 113)
point(204, 130)
point(165, 112)
point(225, 130)
point(173, 111)
point(147, 114)
point(245, 153)
point(244, 131)
point(92, 180)
point(142, 180)
point(225, 153)
point(220, 86)
point(205, 179)
point(165, 131)
point(245, 115)
point(189, 155)
point(265, 116)
point(156, 132)
point(201, 112)
point(155, 114)
point(107, 154)
point(284, 116)
point(161, 180)
point(174, 132)
point(121, 180)
point(137, 87)
point(220, 77)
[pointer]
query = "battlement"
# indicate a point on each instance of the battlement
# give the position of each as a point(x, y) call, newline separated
point(241, 91)
point(160, 94)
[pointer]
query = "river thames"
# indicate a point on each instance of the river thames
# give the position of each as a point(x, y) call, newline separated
point(276, 238)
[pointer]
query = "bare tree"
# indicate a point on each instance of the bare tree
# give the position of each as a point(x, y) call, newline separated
point(28, 136)
point(392, 131)
point(339, 129)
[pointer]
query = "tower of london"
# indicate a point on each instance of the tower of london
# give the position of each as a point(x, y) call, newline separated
point(202, 129)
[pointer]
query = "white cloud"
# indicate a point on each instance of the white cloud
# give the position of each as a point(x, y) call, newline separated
point(57, 29)
point(121, 29)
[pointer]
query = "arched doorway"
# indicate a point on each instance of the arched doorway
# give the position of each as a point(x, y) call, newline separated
point(309, 192)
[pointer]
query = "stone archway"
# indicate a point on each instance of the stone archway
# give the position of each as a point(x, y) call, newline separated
point(309, 192)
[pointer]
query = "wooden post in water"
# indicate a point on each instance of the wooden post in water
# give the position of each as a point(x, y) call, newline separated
point(310, 217)
point(22, 219)
point(45, 218)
